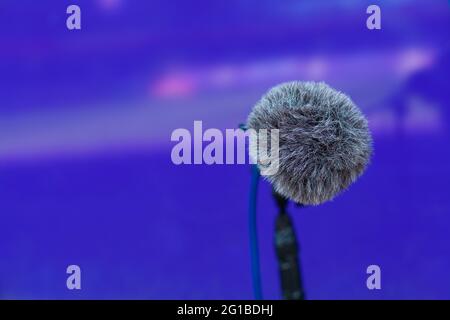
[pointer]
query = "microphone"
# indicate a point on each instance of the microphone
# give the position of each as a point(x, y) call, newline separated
point(324, 146)
point(324, 140)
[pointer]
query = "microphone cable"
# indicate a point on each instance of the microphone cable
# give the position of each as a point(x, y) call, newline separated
point(253, 229)
point(253, 232)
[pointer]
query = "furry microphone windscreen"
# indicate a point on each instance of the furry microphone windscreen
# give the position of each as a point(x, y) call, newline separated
point(324, 140)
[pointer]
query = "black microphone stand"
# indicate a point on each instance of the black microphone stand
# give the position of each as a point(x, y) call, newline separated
point(287, 249)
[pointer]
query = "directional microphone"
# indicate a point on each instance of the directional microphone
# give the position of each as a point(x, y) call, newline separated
point(324, 146)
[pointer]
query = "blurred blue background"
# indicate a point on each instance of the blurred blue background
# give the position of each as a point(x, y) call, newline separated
point(85, 171)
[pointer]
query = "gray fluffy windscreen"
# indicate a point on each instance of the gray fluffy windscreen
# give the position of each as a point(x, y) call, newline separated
point(324, 140)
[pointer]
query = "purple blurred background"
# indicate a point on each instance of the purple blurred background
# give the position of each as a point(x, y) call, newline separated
point(85, 171)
